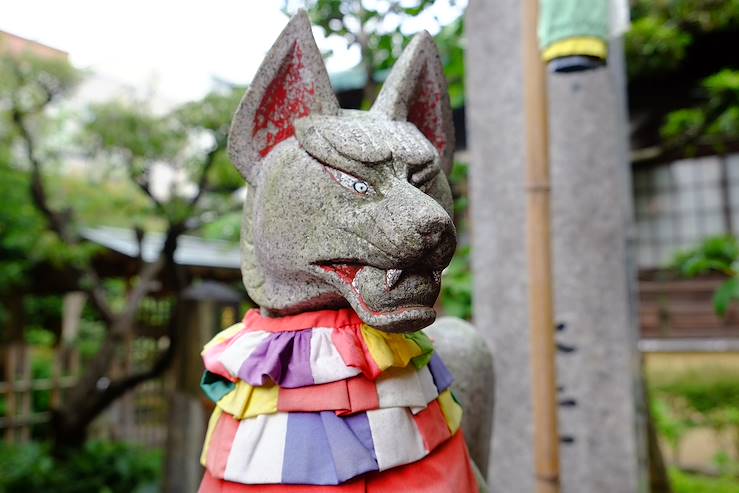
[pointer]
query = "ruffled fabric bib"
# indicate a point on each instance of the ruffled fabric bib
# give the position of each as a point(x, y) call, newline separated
point(322, 399)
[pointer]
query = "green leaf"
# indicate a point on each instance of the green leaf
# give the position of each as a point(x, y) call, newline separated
point(728, 292)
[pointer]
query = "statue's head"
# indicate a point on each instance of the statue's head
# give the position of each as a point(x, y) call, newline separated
point(345, 207)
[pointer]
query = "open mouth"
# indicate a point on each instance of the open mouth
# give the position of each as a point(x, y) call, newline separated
point(393, 300)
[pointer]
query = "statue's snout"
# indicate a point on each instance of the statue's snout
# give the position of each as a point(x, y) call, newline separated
point(419, 229)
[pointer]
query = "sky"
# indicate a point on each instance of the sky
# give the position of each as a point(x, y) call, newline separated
point(174, 49)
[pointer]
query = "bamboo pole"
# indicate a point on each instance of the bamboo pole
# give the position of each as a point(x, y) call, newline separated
point(541, 310)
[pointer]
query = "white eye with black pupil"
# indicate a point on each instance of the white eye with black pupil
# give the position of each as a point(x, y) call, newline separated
point(348, 181)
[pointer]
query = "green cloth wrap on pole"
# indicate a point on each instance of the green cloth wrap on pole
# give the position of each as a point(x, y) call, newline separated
point(574, 27)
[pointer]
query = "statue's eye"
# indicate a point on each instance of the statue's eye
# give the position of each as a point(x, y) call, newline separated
point(348, 181)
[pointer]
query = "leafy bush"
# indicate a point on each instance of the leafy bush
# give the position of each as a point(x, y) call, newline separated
point(708, 398)
point(456, 288)
point(99, 467)
point(655, 46)
point(670, 425)
point(718, 254)
point(683, 482)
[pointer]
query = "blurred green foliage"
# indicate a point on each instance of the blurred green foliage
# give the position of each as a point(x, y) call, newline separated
point(97, 165)
point(717, 254)
point(715, 121)
point(27, 85)
point(706, 398)
point(693, 15)
point(684, 482)
point(99, 467)
point(379, 29)
point(659, 46)
point(654, 46)
point(456, 287)
point(375, 26)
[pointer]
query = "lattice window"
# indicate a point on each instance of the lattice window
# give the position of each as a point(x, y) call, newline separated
point(679, 204)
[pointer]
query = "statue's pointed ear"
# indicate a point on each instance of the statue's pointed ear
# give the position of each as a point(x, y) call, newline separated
point(416, 91)
point(291, 83)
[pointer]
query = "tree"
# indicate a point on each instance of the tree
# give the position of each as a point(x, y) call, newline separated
point(130, 141)
point(377, 29)
point(683, 82)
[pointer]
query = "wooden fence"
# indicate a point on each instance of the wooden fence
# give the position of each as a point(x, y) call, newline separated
point(25, 401)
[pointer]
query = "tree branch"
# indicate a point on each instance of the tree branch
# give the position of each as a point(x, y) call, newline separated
point(143, 185)
point(58, 221)
point(210, 159)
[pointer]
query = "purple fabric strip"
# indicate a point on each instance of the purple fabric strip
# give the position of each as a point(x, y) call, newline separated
point(359, 424)
point(283, 357)
point(307, 458)
point(443, 378)
point(351, 454)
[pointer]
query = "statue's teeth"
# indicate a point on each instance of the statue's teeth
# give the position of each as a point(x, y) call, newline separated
point(391, 277)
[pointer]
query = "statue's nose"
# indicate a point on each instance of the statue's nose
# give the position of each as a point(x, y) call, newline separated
point(433, 230)
point(418, 227)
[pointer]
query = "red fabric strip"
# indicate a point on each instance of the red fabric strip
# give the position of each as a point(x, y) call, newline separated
point(447, 469)
point(362, 395)
point(253, 320)
point(354, 351)
point(220, 444)
point(322, 397)
point(432, 425)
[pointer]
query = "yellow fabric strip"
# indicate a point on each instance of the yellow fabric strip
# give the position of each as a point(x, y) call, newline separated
point(246, 401)
point(223, 335)
point(389, 349)
point(584, 46)
point(209, 434)
point(452, 411)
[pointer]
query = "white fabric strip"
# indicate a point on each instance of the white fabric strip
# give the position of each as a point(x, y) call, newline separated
point(234, 355)
point(430, 392)
point(396, 437)
point(258, 449)
point(326, 363)
point(401, 387)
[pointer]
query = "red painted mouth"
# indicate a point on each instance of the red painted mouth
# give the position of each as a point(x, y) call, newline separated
point(347, 273)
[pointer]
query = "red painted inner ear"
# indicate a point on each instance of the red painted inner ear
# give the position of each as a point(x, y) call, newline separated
point(424, 110)
point(288, 97)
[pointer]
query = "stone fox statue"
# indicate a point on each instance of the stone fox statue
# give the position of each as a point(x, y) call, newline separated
point(331, 386)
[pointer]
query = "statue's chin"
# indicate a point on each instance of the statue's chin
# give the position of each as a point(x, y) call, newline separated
point(388, 300)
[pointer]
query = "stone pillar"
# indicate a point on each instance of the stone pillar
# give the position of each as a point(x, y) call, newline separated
point(600, 415)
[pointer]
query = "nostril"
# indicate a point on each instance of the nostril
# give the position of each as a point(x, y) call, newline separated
point(432, 227)
point(431, 237)
point(432, 232)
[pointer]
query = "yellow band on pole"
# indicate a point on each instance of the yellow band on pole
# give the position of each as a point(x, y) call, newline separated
point(583, 46)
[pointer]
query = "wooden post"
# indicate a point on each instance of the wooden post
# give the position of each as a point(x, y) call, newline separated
point(541, 310)
point(66, 360)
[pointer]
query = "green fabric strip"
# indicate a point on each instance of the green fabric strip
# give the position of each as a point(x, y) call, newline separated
point(427, 348)
point(215, 386)
point(563, 19)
